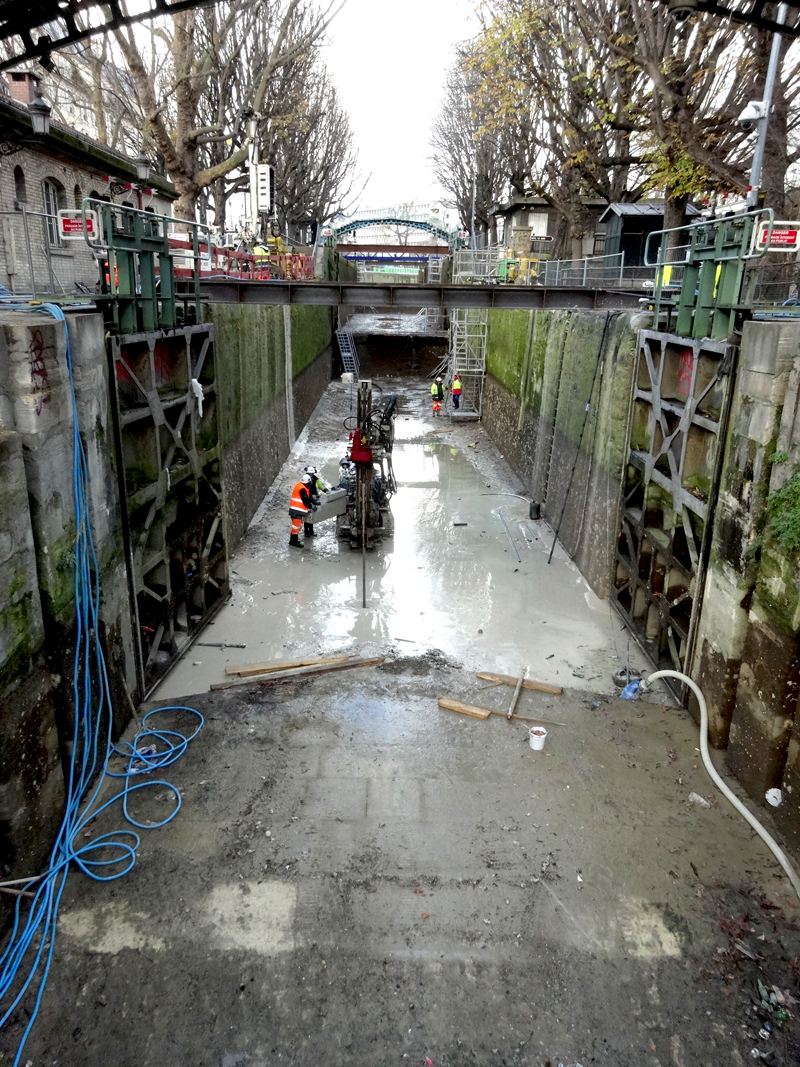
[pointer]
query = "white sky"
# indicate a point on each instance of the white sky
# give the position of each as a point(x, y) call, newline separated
point(388, 59)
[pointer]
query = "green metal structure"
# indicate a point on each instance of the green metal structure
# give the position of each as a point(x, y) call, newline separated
point(137, 266)
point(715, 286)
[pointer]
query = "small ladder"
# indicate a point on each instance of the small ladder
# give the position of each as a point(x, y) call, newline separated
point(347, 347)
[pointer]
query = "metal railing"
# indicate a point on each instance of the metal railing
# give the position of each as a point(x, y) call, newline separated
point(715, 256)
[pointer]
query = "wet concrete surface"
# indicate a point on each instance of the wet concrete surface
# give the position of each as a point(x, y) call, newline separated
point(357, 877)
point(460, 589)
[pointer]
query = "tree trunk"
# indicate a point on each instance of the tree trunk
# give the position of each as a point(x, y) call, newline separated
point(674, 216)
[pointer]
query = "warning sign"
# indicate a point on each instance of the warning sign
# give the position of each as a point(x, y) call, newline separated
point(71, 225)
point(785, 236)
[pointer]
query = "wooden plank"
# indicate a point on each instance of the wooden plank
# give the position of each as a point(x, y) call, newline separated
point(516, 717)
point(464, 709)
point(285, 665)
point(484, 713)
point(528, 683)
point(300, 672)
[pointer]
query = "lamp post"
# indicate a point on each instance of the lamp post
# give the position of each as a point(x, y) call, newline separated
point(142, 163)
point(40, 116)
point(766, 106)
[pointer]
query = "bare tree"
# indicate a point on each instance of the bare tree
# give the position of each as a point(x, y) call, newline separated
point(466, 159)
point(195, 48)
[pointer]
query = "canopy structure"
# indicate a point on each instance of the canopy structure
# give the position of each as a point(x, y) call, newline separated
point(34, 30)
point(758, 13)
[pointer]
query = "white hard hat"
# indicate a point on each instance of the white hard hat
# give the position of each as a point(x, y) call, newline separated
point(310, 469)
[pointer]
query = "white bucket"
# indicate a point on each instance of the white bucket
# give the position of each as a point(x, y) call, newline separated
point(536, 737)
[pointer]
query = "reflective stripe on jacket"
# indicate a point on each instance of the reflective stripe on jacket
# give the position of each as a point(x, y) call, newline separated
point(437, 391)
point(300, 499)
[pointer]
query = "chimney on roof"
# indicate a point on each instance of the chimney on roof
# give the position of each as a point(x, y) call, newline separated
point(24, 86)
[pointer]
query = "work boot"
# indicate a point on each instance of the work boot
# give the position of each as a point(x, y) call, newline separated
point(295, 541)
point(308, 528)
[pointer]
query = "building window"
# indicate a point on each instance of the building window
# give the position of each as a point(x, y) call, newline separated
point(54, 199)
point(78, 197)
point(20, 189)
point(537, 220)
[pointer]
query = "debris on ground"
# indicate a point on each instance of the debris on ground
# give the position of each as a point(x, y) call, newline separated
point(528, 683)
point(299, 672)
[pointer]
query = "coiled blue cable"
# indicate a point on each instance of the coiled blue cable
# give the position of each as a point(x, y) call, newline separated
point(25, 962)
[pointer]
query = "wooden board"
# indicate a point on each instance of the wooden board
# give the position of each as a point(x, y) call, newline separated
point(484, 713)
point(529, 683)
point(286, 665)
point(280, 676)
point(464, 709)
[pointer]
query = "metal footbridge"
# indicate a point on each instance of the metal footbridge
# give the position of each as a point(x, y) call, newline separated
point(406, 295)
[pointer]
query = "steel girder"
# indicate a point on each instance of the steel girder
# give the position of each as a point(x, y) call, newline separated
point(417, 296)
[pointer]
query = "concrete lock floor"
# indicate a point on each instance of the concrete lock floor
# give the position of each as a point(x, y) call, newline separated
point(358, 877)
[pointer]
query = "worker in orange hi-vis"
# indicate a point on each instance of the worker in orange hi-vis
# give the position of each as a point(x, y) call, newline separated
point(300, 506)
point(437, 395)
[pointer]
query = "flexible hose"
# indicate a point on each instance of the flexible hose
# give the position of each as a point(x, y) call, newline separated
point(768, 840)
point(26, 959)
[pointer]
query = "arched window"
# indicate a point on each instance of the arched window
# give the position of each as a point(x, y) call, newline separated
point(20, 189)
point(54, 198)
point(94, 194)
point(78, 197)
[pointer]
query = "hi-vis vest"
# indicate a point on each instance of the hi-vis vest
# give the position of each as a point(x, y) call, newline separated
point(437, 391)
point(296, 503)
point(456, 385)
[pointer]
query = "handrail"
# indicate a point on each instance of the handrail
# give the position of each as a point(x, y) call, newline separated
point(694, 228)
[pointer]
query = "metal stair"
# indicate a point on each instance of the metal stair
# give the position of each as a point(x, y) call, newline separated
point(347, 347)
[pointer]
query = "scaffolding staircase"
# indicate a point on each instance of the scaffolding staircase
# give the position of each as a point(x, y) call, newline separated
point(434, 316)
point(347, 348)
point(468, 330)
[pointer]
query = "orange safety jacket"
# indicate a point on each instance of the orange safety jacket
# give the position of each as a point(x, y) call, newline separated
point(301, 500)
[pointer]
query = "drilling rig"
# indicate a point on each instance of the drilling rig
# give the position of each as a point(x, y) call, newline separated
point(366, 471)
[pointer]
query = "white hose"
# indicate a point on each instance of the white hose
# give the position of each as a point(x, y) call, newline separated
point(769, 841)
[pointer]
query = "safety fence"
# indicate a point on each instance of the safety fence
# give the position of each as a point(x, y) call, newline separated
point(36, 261)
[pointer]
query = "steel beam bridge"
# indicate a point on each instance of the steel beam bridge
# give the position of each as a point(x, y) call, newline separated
point(367, 294)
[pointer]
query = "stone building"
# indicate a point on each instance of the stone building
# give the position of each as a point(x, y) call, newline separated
point(40, 175)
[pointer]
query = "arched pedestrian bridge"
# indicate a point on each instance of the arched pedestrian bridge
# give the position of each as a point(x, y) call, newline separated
point(399, 215)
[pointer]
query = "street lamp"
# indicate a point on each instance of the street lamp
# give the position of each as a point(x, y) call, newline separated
point(760, 114)
point(40, 116)
point(142, 167)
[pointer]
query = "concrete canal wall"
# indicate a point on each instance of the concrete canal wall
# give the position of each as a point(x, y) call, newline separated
point(747, 653)
point(37, 522)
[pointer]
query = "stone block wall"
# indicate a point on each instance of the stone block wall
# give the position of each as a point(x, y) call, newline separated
point(37, 531)
point(747, 657)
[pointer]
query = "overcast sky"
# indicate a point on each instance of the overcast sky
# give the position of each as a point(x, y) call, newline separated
point(389, 61)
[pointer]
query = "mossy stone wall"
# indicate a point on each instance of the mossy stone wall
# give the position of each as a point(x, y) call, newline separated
point(250, 343)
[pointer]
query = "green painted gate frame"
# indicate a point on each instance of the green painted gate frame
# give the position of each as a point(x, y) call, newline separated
point(715, 286)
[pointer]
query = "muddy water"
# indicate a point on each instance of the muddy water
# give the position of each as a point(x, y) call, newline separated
point(460, 588)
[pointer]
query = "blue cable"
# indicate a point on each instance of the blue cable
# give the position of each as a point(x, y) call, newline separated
point(25, 962)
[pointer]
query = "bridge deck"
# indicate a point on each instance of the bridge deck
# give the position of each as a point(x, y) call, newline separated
point(367, 294)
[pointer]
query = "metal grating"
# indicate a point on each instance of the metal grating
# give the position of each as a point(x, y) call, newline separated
point(680, 403)
point(164, 397)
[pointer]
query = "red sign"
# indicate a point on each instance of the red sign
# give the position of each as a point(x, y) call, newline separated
point(71, 226)
point(76, 226)
point(785, 236)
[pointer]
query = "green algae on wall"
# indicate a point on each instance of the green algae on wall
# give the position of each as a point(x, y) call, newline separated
point(251, 353)
point(507, 337)
point(311, 334)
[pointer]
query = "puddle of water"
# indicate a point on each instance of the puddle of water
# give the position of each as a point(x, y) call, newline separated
point(434, 585)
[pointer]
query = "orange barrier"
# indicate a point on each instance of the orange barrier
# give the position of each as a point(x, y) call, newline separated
point(288, 266)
